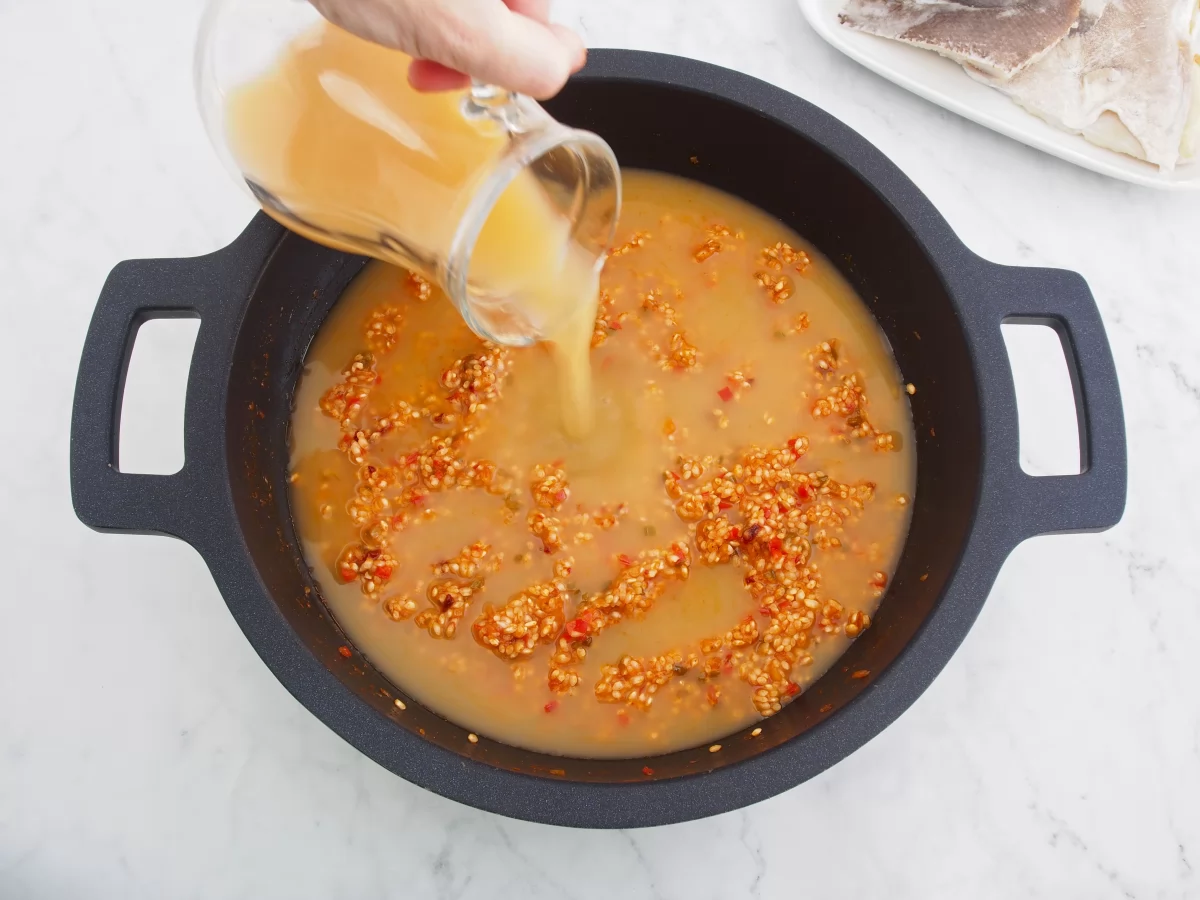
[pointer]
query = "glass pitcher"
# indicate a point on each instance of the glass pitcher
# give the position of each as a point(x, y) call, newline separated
point(480, 190)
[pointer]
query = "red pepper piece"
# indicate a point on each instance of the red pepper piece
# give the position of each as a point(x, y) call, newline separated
point(725, 394)
point(551, 706)
point(577, 629)
point(625, 561)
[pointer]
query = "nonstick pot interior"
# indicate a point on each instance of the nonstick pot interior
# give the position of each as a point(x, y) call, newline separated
point(262, 300)
point(744, 153)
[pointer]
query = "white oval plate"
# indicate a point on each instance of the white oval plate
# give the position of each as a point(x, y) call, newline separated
point(943, 82)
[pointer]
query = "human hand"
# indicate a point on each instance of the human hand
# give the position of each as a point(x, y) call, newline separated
point(508, 43)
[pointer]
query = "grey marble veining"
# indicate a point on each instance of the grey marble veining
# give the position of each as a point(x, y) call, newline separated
point(145, 752)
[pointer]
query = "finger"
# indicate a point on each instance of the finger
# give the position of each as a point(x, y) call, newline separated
point(430, 77)
point(526, 56)
point(373, 20)
point(574, 44)
point(538, 10)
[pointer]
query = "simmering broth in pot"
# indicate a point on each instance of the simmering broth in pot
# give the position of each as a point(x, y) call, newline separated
point(705, 554)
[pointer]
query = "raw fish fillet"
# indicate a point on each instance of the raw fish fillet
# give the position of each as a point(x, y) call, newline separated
point(999, 37)
point(1123, 79)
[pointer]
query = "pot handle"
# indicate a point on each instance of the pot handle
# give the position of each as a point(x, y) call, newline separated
point(137, 291)
point(1093, 500)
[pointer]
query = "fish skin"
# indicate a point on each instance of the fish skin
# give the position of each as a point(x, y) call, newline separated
point(998, 37)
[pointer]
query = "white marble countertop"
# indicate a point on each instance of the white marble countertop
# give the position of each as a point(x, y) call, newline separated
point(146, 752)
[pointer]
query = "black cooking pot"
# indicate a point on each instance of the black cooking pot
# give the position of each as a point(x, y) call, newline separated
point(261, 300)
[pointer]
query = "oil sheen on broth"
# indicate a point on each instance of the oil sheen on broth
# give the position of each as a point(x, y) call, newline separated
point(720, 538)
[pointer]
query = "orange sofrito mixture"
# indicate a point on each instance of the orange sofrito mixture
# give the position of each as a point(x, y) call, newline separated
point(713, 546)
